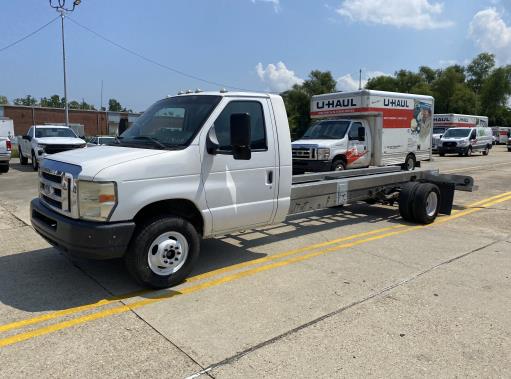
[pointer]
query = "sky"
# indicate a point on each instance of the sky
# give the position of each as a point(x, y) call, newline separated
point(258, 45)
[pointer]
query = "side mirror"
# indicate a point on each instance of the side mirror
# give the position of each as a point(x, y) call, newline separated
point(361, 133)
point(212, 144)
point(27, 137)
point(241, 136)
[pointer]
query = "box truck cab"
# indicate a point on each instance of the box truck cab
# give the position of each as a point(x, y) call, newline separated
point(465, 141)
point(365, 128)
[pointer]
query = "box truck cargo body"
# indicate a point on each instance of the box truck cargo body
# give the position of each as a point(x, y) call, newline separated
point(396, 127)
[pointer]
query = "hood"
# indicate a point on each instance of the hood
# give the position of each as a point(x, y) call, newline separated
point(60, 141)
point(317, 142)
point(93, 160)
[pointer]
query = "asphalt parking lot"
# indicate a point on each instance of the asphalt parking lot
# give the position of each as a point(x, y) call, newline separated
point(343, 292)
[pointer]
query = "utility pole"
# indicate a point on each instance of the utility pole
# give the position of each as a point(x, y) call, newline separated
point(101, 107)
point(60, 6)
point(360, 79)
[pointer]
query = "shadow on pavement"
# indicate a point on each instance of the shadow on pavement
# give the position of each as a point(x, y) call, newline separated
point(44, 280)
point(22, 168)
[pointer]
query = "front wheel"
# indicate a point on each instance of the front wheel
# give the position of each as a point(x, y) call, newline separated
point(23, 159)
point(163, 251)
point(35, 164)
point(410, 163)
point(468, 153)
point(486, 150)
point(338, 165)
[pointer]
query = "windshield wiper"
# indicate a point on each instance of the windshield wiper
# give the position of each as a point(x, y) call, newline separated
point(155, 141)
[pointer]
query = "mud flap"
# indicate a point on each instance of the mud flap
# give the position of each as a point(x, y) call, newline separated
point(446, 197)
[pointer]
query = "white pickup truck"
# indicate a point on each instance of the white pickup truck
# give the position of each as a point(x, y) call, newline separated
point(5, 154)
point(43, 140)
point(198, 165)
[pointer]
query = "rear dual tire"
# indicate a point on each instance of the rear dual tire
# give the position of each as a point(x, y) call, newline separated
point(419, 202)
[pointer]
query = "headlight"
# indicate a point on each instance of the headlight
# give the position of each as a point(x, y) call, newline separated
point(96, 200)
point(41, 146)
point(323, 154)
point(462, 142)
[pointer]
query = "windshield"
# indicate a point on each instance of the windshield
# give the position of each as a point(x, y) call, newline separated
point(438, 130)
point(171, 122)
point(327, 130)
point(54, 132)
point(454, 132)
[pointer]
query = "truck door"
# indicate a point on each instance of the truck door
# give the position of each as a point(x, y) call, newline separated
point(26, 142)
point(242, 193)
point(358, 154)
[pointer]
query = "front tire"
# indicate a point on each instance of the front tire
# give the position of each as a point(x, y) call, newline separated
point(468, 153)
point(35, 163)
point(163, 251)
point(410, 163)
point(23, 159)
point(486, 150)
point(338, 165)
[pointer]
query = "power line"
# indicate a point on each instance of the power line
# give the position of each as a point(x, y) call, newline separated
point(190, 76)
point(28, 35)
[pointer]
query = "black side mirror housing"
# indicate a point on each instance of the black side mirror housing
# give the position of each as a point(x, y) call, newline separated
point(361, 133)
point(27, 137)
point(241, 136)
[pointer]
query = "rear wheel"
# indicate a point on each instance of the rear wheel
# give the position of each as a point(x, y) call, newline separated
point(23, 159)
point(426, 203)
point(163, 251)
point(442, 154)
point(406, 199)
point(35, 164)
point(4, 168)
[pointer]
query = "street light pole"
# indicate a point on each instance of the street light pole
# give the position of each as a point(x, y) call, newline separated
point(60, 6)
point(66, 103)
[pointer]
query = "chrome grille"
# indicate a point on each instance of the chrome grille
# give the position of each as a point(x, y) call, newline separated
point(57, 190)
point(303, 153)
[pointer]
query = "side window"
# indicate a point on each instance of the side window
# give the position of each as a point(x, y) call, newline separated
point(30, 132)
point(473, 134)
point(353, 133)
point(257, 125)
point(94, 140)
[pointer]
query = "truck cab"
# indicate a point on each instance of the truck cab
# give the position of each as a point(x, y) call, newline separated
point(43, 140)
point(438, 132)
point(333, 145)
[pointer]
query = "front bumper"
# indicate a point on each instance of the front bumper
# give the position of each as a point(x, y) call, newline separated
point(311, 165)
point(83, 239)
point(453, 150)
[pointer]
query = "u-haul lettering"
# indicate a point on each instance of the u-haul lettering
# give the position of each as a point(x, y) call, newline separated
point(336, 104)
point(395, 103)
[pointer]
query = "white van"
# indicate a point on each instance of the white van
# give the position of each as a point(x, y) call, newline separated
point(465, 141)
point(365, 128)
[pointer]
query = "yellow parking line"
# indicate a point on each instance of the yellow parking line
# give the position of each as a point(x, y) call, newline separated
point(125, 308)
point(103, 302)
point(475, 167)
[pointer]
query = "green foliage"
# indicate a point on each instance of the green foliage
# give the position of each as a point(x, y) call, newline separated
point(114, 106)
point(298, 99)
point(27, 100)
point(479, 88)
point(54, 101)
point(4, 100)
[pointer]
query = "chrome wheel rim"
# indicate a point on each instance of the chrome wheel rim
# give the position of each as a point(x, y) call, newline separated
point(34, 161)
point(469, 152)
point(431, 203)
point(167, 253)
point(339, 167)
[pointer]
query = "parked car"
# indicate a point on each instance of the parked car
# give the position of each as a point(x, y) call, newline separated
point(101, 140)
point(465, 141)
point(43, 140)
point(5, 153)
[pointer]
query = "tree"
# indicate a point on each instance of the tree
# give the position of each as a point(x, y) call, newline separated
point(383, 83)
point(444, 87)
point(463, 100)
point(27, 101)
point(4, 100)
point(479, 69)
point(406, 80)
point(74, 104)
point(86, 106)
point(298, 99)
point(427, 74)
point(114, 106)
point(495, 92)
point(54, 101)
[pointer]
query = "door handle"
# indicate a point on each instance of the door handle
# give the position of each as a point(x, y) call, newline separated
point(269, 179)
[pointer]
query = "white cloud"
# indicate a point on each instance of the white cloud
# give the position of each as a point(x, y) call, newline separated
point(447, 62)
point(491, 33)
point(415, 14)
point(278, 77)
point(275, 3)
point(349, 83)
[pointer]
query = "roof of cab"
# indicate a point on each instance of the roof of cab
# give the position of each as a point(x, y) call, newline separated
point(52, 126)
point(226, 94)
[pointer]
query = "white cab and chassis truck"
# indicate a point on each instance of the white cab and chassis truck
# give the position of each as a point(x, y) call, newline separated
point(43, 140)
point(198, 165)
point(365, 128)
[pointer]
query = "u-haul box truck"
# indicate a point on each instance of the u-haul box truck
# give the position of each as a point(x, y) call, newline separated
point(365, 128)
